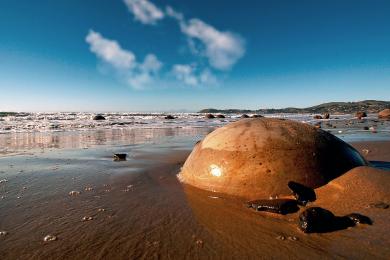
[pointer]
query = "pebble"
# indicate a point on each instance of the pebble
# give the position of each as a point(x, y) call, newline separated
point(86, 218)
point(292, 238)
point(49, 238)
point(365, 151)
point(88, 188)
point(199, 242)
point(101, 209)
point(3, 233)
point(281, 237)
point(74, 193)
point(213, 197)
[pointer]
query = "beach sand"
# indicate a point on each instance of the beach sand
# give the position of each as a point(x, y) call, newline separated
point(140, 210)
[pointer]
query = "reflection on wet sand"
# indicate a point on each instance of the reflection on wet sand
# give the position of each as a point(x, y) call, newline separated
point(16, 142)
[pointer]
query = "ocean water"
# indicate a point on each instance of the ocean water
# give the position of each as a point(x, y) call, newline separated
point(25, 131)
point(66, 121)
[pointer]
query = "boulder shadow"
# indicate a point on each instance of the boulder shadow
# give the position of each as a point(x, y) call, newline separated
point(381, 165)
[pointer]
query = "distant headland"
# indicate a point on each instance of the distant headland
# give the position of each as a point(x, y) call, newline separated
point(368, 106)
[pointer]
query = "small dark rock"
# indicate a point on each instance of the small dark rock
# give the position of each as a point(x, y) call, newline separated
point(169, 117)
point(220, 116)
point(302, 193)
point(210, 116)
point(99, 117)
point(120, 156)
point(256, 116)
point(317, 117)
point(319, 220)
point(244, 116)
point(316, 219)
point(366, 128)
point(280, 206)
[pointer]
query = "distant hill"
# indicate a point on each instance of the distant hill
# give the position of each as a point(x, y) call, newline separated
point(368, 106)
point(4, 114)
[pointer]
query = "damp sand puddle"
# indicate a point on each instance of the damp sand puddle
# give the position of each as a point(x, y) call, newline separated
point(78, 203)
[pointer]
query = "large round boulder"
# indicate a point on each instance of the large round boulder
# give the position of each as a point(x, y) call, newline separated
point(257, 157)
point(384, 114)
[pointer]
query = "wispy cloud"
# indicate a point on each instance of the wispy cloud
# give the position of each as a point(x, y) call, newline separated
point(144, 11)
point(218, 50)
point(222, 48)
point(137, 75)
point(189, 75)
point(110, 51)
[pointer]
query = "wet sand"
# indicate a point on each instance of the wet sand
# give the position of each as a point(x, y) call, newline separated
point(149, 214)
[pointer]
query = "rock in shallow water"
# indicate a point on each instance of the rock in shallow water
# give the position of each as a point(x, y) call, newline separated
point(280, 206)
point(254, 158)
point(384, 114)
point(99, 117)
point(120, 156)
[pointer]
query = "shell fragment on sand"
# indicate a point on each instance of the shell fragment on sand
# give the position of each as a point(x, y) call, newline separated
point(74, 193)
point(49, 238)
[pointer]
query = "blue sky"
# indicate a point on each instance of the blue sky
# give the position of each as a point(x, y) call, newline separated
point(149, 55)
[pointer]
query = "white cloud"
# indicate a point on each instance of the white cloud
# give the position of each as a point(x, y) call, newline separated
point(185, 73)
point(151, 64)
point(174, 14)
point(189, 75)
point(223, 49)
point(110, 51)
point(144, 11)
point(137, 75)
